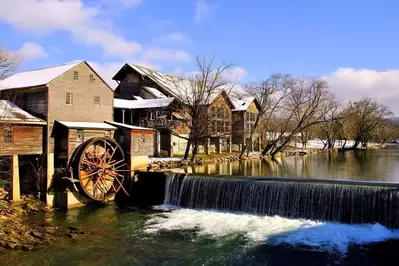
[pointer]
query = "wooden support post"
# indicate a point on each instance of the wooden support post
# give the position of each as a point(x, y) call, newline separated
point(14, 182)
point(50, 169)
point(207, 146)
point(123, 116)
point(260, 144)
point(218, 146)
point(229, 145)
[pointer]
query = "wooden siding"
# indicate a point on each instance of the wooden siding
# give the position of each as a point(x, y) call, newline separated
point(34, 102)
point(83, 108)
point(26, 140)
point(123, 137)
point(238, 124)
point(73, 142)
point(142, 142)
point(221, 102)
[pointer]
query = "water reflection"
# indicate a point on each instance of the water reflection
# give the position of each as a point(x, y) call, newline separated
point(373, 165)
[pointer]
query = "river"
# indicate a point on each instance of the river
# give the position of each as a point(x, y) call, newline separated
point(195, 237)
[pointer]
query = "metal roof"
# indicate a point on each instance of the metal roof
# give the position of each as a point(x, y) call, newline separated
point(143, 104)
point(87, 125)
point(155, 92)
point(10, 113)
point(35, 78)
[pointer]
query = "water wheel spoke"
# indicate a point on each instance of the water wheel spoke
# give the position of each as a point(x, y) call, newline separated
point(119, 167)
point(112, 155)
point(91, 174)
point(121, 161)
point(119, 182)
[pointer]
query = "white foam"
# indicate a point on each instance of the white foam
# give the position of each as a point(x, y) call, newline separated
point(322, 236)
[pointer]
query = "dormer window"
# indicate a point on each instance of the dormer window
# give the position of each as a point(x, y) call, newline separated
point(75, 75)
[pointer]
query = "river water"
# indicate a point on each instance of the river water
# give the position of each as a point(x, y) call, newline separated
point(173, 236)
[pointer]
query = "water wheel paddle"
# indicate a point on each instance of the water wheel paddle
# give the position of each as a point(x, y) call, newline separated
point(99, 166)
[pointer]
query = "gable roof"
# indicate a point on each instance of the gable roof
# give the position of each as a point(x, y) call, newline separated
point(41, 77)
point(153, 91)
point(143, 104)
point(35, 78)
point(242, 103)
point(10, 113)
point(170, 84)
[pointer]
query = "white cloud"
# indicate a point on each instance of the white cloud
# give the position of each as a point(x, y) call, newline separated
point(73, 16)
point(354, 84)
point(160, 54)
point(203, 10)
point(176, 37)
point(32, 50)
point(236, 73)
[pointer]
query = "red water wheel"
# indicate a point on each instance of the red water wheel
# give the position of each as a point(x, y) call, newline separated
point(99, 166)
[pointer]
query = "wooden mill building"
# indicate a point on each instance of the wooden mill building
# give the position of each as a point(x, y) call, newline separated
point(70, 98)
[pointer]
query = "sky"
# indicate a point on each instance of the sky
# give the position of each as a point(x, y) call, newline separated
point(352, 44)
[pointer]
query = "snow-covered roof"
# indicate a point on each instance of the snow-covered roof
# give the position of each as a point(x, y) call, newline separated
point(87, 125)
point(172, 84)
point(155, 92)
point(128, 126)
point(241, 104)
point(143, 104)
point(180, 88)
point(10, 113)
point(35, 78)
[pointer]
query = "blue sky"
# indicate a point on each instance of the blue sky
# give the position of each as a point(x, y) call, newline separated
point(352, 43)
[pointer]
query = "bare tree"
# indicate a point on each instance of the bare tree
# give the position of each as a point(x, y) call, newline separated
point(386, 130)
point(303, 108)
point(365, 115)
point(270, 94)
point(197, 95)
point(329, 129)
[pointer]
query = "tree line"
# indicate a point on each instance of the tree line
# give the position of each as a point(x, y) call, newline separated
point(291, 108)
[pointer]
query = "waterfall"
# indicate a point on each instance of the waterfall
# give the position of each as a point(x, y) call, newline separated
point(172, 188)
point(320, 200)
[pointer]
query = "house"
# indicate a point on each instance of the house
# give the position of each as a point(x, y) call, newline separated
point(219, 137)
point(68, 94)
point(245, 112)
point(21, 134)
point(149, 98)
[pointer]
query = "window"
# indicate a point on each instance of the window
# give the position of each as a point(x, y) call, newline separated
point(69, 98)
point(79, 136)
point(75, 75)
point(97, 100)
point(8, 135)
point(91, 78)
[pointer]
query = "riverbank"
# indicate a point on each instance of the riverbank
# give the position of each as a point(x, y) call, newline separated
point(159, 164)
point(19, 232)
